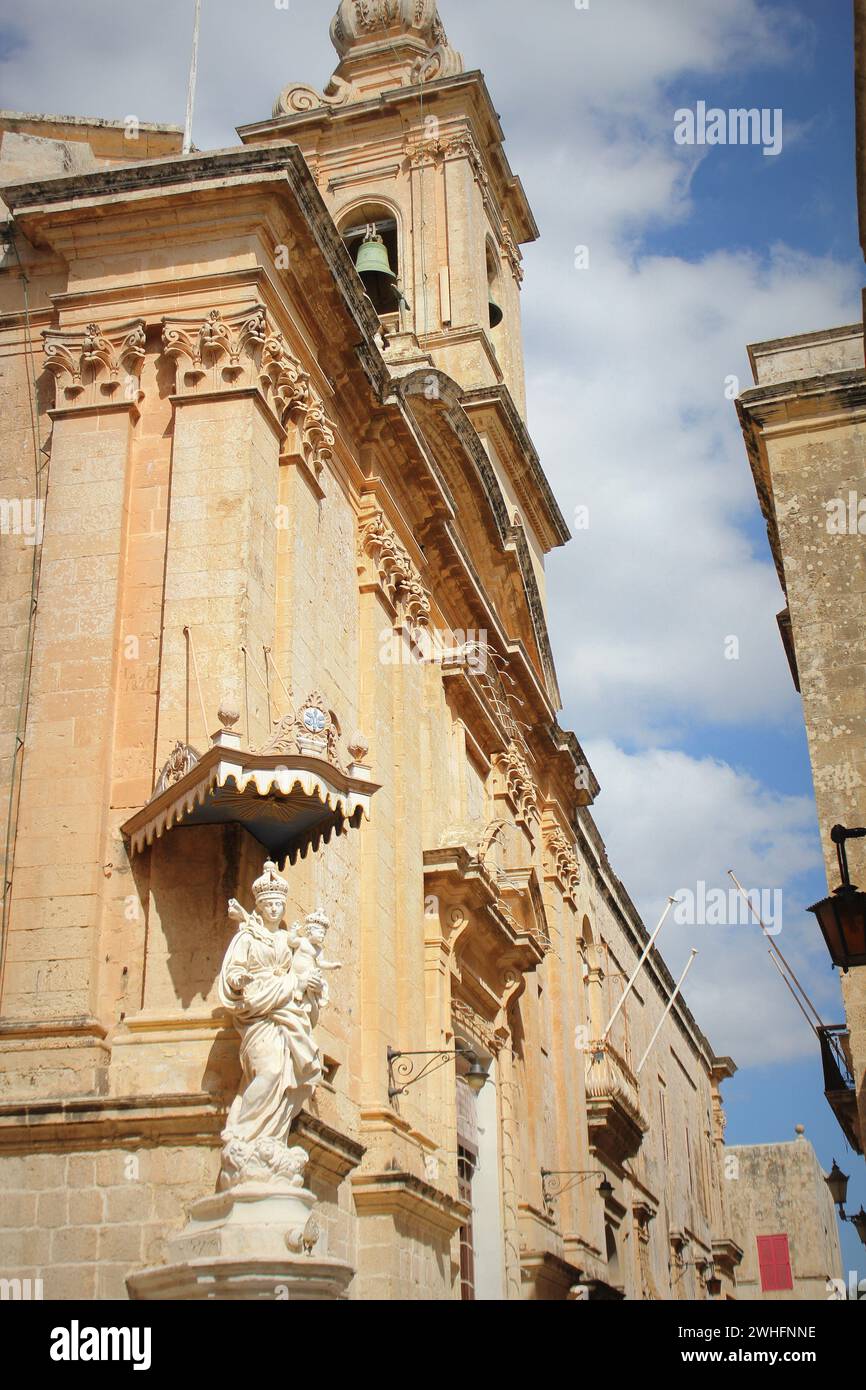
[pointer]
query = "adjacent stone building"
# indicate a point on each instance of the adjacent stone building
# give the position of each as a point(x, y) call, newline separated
point(783, 1215)
point(804, 425)
point(273, 580)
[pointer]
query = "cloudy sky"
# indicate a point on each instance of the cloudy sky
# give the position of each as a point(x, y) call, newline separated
point(693, 253)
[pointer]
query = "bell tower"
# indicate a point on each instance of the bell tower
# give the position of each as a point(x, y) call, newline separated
point(407, 151)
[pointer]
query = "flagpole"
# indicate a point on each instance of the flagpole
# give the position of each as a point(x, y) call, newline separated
point(774, 949)
point(794, 995)
point(637, 970)
point(689, 964)
point(193, 73)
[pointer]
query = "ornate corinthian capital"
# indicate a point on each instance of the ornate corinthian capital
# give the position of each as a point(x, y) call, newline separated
point(95, 367)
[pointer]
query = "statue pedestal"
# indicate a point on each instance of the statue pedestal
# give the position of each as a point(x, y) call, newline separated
point(254, 1241)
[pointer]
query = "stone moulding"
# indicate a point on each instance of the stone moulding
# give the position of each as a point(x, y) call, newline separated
point(298, 96)
point(483, 1030)
point(289, 804)
point(389, 1194)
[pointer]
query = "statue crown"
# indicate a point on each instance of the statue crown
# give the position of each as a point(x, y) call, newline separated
point(317, 918)
point(270, 885)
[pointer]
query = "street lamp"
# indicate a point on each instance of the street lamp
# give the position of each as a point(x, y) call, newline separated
point(553, 1184)
point(837, 1181)
point(842, 916)
point(402, 1065)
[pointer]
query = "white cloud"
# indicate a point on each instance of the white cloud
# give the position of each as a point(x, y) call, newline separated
point(628, 409)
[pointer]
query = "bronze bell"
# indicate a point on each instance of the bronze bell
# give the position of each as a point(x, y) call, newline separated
point(374, 268)
point(496, 314)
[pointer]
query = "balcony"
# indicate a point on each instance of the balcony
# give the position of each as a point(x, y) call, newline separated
point(839, 1086)
point(616, 1122)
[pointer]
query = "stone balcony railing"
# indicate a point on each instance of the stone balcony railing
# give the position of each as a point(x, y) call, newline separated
point(616, 1122)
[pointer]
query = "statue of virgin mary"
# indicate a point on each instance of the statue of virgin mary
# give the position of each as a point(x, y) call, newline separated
point(275, 1013)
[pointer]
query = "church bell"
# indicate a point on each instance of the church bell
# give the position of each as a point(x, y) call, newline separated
point(374, 268)
point(495, 311)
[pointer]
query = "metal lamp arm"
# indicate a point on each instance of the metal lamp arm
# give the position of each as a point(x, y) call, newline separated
point(839, 834)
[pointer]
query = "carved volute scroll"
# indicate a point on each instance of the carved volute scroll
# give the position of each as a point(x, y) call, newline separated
point(395, 573)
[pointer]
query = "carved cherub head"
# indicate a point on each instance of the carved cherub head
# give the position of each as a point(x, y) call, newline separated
point(314, 928)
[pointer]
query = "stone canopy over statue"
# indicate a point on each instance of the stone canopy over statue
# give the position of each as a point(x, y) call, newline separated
point(272, 983)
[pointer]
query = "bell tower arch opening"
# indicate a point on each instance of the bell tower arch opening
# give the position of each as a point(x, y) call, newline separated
point(495, 312)
point(371, 233)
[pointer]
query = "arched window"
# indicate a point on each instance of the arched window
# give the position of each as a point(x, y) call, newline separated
point(371, 235)
point(494, 288)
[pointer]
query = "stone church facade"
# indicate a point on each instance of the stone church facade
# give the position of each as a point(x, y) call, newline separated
point(283, 596)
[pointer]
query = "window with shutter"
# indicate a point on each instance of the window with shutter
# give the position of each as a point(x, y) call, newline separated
point(775, 1264)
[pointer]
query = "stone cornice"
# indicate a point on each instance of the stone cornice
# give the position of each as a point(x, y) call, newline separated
point(104, 1122)
point(44, 202)
point(414, 392)
point(536, 495)
point(790, 406)
point(388, 1194)
point(787, 409)
point(100, 1122)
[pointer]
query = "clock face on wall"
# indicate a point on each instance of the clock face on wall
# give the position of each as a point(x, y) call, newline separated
point(314, 720)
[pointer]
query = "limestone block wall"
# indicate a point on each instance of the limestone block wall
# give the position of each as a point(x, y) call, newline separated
point(80, 1219)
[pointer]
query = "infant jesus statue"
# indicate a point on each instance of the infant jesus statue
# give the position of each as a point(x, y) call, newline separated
point(307, 940)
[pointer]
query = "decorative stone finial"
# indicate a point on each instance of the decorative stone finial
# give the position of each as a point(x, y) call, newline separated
point(360, 23)
point(359, 747)
point(382, 44)
point(228, 713)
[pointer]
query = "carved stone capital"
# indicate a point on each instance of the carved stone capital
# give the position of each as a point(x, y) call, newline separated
point(464, 146)
point(215, 353)
point(517, 782)
point(223, 353)
point(395, 572)
point(562, 861)
point(94, 366)
point(513, 253)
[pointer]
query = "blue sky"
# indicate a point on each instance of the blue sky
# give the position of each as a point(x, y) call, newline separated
point(693, 254)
